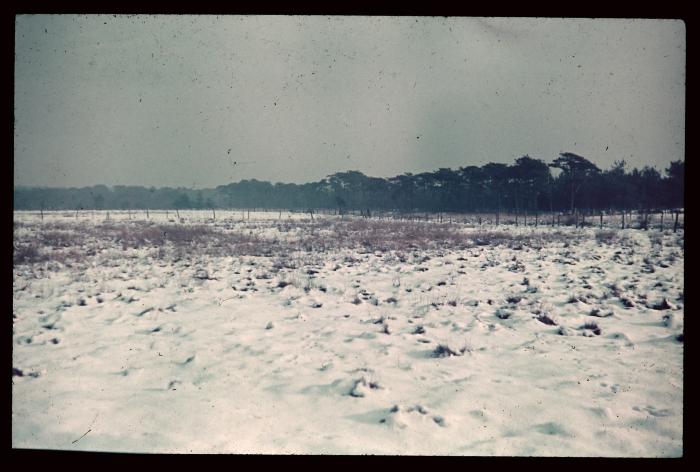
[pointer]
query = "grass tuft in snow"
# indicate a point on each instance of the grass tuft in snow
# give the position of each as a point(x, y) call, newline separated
point(592, 326)
point(544, 318)
point(662, 305)
point(443, 350)
point(503, 314)
point(597, 312)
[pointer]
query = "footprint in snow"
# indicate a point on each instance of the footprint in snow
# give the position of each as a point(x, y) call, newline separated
point(400, 416)
point(19, 373)
point(187, 361)
point(363, 386)
point(552, 429)
point(653, 411)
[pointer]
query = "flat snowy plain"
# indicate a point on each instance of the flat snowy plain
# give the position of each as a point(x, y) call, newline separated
point(345, 336)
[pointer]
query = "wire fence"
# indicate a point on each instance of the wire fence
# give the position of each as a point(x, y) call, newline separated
point(659, 219)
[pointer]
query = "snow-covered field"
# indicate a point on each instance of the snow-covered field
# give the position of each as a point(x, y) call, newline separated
point(345, 336)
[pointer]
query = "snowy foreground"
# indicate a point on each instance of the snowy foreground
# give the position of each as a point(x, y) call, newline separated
point(346, 337)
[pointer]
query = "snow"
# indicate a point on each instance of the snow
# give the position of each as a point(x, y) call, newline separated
point(487, 349)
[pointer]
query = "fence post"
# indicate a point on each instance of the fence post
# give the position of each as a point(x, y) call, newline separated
point(623, 219)
point(601, 220)
point(148, 215)
point(675, 224)
point(42, 214)
point(661, 225)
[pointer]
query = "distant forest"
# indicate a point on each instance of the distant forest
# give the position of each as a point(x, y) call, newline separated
point(568, 183)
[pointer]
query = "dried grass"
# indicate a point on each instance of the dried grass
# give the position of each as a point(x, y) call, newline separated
point(76, 241)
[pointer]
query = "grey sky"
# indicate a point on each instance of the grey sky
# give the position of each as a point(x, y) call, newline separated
point(160, 100)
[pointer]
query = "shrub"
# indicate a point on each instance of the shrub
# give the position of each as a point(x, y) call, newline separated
point(606, 236)
point(27, 254)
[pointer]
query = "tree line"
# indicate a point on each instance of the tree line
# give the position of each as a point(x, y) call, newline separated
point(568, 183)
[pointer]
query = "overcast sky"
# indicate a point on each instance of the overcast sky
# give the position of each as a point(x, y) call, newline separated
point(200, 101)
